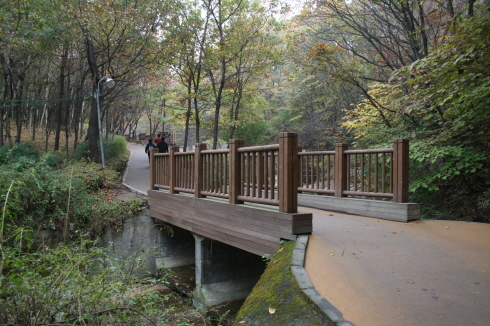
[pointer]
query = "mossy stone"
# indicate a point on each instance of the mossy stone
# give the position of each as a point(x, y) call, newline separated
point(278, 300)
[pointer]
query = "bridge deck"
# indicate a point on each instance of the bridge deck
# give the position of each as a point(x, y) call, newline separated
point(252, 228)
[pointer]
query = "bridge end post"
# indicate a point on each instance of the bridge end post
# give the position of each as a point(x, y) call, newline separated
point(235, 170)
point(198, 170)
point(340, 170)
point(153, 169)
point(288, 172)
point(400, 170)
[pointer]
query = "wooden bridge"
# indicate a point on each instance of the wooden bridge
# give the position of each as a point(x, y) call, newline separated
point(247, 197)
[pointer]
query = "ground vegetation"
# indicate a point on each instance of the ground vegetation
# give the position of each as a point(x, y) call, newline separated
point(53, 268)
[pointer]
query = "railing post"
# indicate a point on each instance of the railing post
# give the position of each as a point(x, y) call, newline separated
point(235, 170)
point(172, 166)
point(400, 170)
point(340, 170)
point(198, 170)
point(153, 169)
point(288, 172)
point(300, 168)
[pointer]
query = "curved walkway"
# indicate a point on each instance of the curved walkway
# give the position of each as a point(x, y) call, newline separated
point(384, 273)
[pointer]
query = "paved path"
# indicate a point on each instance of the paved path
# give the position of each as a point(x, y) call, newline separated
point(423, 273)
point(383, 273)
point(137, 175)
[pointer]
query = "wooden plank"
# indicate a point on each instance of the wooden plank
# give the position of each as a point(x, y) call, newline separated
point(271, 217)
point(256, 247)
point(274, 219)
point(223, 218)
point(237, 225)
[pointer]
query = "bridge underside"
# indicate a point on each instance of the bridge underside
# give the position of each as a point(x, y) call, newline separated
point(253, 228)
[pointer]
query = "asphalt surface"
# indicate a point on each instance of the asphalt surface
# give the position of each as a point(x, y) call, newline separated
point(137, 176)
point(378, 272)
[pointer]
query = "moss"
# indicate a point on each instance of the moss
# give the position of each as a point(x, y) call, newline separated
point(277, 289)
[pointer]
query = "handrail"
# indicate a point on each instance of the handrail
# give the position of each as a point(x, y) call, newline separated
point(273, 174)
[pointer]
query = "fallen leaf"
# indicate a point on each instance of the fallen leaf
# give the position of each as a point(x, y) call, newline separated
point(280, 250)
point(332, 254)
point(353, 253)
point(447, 227)
point(272, 311)
point(331, 215)
point(394, 232)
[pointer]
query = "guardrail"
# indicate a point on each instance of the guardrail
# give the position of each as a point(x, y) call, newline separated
point(368, 173)
point(273, 174)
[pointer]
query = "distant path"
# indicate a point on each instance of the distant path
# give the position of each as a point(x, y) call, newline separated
point(137, 176)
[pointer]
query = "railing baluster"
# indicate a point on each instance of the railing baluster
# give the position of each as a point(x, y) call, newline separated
point(383, 177)
point(362, 172)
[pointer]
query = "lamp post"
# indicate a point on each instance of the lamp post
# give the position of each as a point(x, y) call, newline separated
point(109, 82)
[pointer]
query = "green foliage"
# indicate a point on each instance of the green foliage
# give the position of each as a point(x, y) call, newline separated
point(442, 104)
point(24, 151)
point(46, 193)
point(253, 133)
point(79, 284)
point(115, 151)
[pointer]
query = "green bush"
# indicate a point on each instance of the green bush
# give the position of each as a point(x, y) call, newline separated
point(48, 194)
point(115, 153)
point(19, 151)
point(75, 285)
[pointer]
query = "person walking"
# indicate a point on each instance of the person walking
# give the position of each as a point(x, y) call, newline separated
point(149, 147)
point(158, 139)
point(162, 146)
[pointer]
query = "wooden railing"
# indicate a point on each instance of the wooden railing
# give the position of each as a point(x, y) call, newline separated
point(367, 173)
point(274, 174)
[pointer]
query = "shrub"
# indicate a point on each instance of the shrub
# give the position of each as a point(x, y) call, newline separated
point(115, 153)
point(70, 285)
point(19, 151)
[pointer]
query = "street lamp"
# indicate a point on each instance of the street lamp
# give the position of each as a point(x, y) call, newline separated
point(109, 82)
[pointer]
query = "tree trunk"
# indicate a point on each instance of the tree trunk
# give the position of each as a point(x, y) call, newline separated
point(93, 126)
point(61, 103)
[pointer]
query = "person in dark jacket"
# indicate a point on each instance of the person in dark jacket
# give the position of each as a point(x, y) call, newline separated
point(149, 147)
point(162, 146)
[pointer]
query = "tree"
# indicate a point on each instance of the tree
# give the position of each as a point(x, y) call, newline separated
point(441, 103)
point(125, 43)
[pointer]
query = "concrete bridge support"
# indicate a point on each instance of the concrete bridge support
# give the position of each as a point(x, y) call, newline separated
point(223, 273)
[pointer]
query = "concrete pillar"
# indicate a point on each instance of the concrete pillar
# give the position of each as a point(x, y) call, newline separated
point(223, 273)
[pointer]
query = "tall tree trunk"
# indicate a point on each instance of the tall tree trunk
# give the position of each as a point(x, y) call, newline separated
point(198, 120)
point(61, 102)
point(188, 113)
point(93, 127)
point(18, 106)
point(5, 92)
